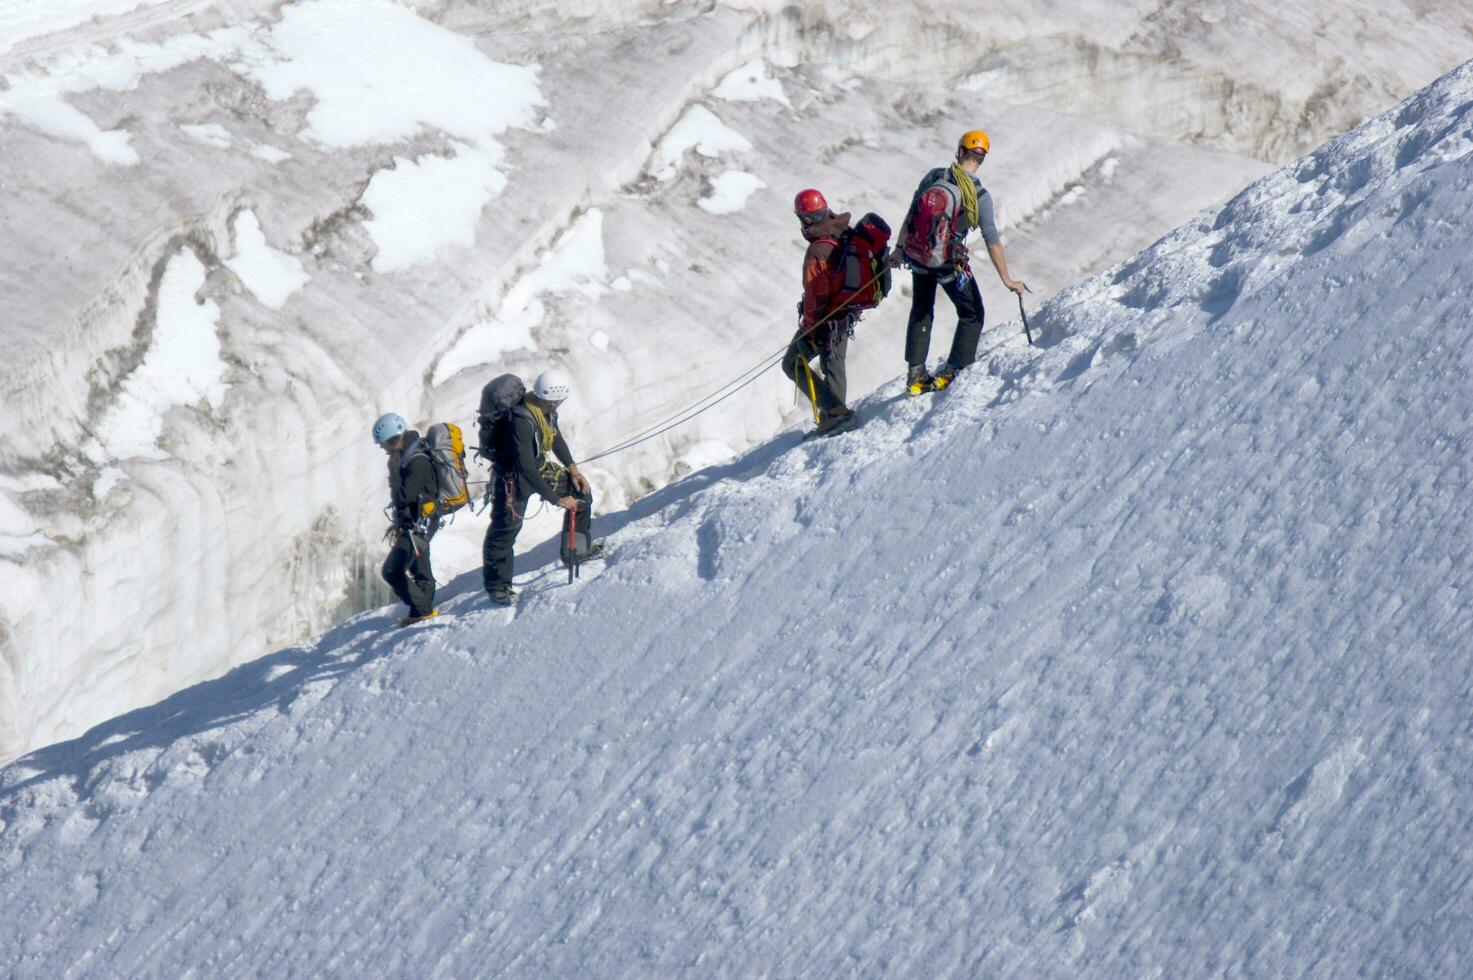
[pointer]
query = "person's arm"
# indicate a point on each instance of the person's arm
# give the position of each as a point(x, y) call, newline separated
point(903, 231)
point(561, 451)
point(420, 487)
point(528, 470)
point(565, 456)
point(816, 283)
point(1000, 263)
point(987, 224)
point(897, 254)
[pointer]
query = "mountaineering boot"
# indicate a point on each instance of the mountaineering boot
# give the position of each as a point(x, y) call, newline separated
point(411, 619)
point(944, 377)
point(502, 595)
point(597, 551)
point(834, 420)
point(918, 382)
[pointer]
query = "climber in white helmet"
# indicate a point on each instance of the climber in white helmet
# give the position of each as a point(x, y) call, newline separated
point(529, 455)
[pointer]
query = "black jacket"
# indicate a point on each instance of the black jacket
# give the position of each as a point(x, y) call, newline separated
point(515, 450)
point(412, 481)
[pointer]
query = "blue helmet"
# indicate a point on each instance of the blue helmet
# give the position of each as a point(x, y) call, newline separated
point(390, 426)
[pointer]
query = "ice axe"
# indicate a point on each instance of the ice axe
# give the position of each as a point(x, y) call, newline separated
point(572, 545)
point(1026, 332)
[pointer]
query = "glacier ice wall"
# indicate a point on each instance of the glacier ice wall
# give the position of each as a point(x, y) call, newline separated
point(215, 132)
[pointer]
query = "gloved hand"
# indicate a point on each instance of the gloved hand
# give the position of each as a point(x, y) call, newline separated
point(427, 508)
point(580, 482)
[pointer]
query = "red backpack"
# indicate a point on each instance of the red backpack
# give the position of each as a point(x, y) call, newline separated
point(932, 219)
point(859, 266)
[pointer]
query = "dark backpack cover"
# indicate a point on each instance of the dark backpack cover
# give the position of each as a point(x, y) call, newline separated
point(500, 395)
point(860, 266)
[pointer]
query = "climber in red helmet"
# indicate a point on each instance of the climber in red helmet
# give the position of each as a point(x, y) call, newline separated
point(824, 339)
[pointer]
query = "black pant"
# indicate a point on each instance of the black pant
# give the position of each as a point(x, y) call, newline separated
point(508, 509)
point(407, 570)
point(968, 302)
point(830, 386)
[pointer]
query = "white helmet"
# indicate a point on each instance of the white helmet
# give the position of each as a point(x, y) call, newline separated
point(552, 385)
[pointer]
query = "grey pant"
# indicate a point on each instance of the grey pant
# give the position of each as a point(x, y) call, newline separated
point(830, 382)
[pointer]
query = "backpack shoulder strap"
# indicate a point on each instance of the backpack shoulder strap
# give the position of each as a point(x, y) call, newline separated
point(841, 243)
point(408, 456)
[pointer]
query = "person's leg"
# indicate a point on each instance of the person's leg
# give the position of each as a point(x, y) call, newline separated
point(796, 366)
point(968, 302)
point(585, 512)
point(835, 370)
point(793, 360)
point(918, 329)
point(497, 562)
point(421, 579)
point(394, 569)
point(584, 533)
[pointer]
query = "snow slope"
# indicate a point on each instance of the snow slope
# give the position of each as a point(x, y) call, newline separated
point(1143, 652)
point(378, 234)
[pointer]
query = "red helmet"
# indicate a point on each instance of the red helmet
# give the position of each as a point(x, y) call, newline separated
point(809, 201)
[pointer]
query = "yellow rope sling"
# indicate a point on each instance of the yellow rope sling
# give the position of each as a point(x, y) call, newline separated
point(546, 435)
point(968, 191)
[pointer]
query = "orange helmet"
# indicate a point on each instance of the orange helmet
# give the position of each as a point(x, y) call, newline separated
point(975, 141)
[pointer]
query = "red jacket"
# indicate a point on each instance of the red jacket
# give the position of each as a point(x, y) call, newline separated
point(820, 283)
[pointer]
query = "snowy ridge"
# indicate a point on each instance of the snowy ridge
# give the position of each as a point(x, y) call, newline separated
point(224, 127)
point(222, 157)
point(1143, 652)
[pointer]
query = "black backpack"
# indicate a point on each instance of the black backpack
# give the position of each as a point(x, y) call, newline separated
point(498, 398)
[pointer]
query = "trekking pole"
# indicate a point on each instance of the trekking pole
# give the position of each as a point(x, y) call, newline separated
point(572, 544)
point(1026, 332)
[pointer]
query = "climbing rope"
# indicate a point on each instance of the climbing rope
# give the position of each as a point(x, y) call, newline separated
point(721, 394)
point(700, 407)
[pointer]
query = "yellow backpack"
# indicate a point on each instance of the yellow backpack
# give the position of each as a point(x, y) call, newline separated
point(445, 446)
